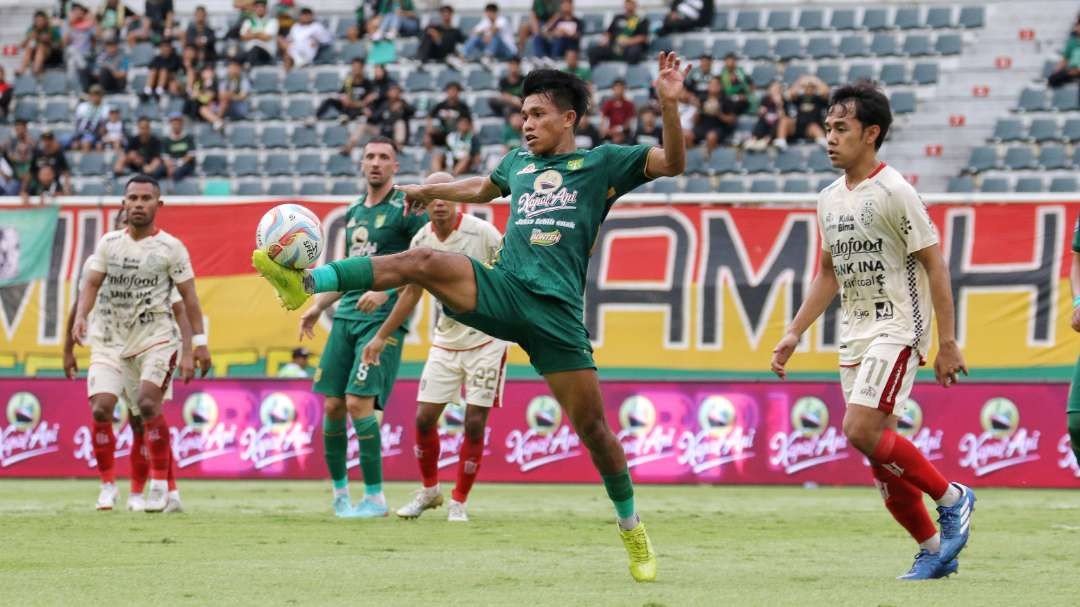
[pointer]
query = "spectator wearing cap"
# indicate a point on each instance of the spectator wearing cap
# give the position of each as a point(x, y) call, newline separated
point(200, 35)
point(19, 151)
point(510, 88)
point(296, 368)
point(179, 155)
point(561, 32)
point(575, 67)
point(737, 84)
point(491, 38)
point(142, 153)
point(163, 70)
point(1068, 69)
point(626, 39)
point(203, 101)
point(50, 171)
point(234, 91)
point(79, 44)
point(440, 40)
point(258, 35)
point(43, 46)
point(616, 111)
point(90, 117)
point(393, 18)
point(6, 91)
point(442, 119)
point(306, 37)
point(285, 20)
point(111, 67)
point(115, 130)
point(687, 16)
point(462, 153)
point(357, 94)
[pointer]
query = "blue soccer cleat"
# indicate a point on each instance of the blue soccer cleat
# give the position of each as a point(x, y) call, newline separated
point(955, 522)
point(928, 566)
point(366, 508)
point(341, 505)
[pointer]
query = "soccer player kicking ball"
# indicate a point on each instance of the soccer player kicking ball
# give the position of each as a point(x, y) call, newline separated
point(135, 337)
point(1072, 411)
point(459, 355)
point(559, 196)
point(880, 251)
point(376, 225)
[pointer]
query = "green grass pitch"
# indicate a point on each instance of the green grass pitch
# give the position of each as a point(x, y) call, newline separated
point(276, 543)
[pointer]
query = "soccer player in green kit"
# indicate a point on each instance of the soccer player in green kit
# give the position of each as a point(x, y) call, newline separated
point(559, 195)
point(1072, 411)
point(376, 224)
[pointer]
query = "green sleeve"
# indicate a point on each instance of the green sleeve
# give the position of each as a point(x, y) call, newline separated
point(1076, 236)
point(501, 175)
point(414, 222)
point(627, 167)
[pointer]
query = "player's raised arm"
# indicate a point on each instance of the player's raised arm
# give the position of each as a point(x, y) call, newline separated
point(949, 362)
point(822, 291)
point(194, 314)
point(669, 160)
point(87, 297)
point(407, 299)
point(476, 190)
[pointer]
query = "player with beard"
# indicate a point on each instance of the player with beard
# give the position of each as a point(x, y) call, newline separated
point(533, 295)
point(376, 225)
point(880, 251)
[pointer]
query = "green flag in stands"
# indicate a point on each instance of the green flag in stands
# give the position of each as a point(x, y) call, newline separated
point(26, 240)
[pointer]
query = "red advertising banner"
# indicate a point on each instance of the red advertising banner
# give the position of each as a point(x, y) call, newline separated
point(673, 432)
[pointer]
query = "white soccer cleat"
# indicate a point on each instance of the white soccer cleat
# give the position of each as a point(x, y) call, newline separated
point(457, 512)
point(422, 500)
point(173, 505)
point(106, 499)
point(136, 502)
point(158, 497)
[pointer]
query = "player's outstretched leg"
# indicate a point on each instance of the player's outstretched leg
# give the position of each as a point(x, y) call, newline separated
point(104, 443)
point(905, 502)
point(427, 457)
point(140, 466)
point(579, 394)
point(368, 434)
point(288, 283)
point(335, 448)
point(472, 453)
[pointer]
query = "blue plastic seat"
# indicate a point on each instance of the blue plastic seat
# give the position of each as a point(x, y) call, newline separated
point(983, 158)
point(842, 19)
point(748, 20)
point(298, 81)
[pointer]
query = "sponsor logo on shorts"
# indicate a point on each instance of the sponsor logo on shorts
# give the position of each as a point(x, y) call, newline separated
point(281, 436)
point(544, 239)
point(203, 436)
point(723, 436)
point(909, 424)
point(546, 441)
point(811, 442)
point(641, 437)
point(1003, 443)
point(26, 435)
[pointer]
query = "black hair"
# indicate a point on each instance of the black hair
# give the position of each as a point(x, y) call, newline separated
point(871, 106)
point(383, 139)
point(140, 178)
point(566, 91)
point(491, 6)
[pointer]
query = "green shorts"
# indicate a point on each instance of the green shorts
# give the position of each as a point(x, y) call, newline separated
point(551, 332)
point(342, 370)
point(1074, 391)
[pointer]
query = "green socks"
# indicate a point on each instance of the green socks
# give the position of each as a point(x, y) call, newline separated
point(324, 278)
point(621, 491)
point(336, 444)
point(367, 432)
point(350, 274)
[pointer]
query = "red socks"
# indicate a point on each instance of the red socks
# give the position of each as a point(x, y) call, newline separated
point(903, 459)
point(468, 465)
point(157, 438)
point(105, 450)
point(905, 502)
point(140, 466)
point(427, 455)
point(172, 471)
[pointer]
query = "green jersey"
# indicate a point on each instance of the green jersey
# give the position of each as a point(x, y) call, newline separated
point(381, 229)
point(557, 204)
point(1076, 236)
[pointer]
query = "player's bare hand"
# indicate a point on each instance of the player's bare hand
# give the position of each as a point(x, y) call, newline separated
point(949, 364)
point(187, 366)
point(416, 197)
point(373, 350)
point(1076, 319)
point(370, 301)
point(71, 366)
point(672, 76)
point(782, 352)
point(202, 360)
point(78, 330)
point(307, 322)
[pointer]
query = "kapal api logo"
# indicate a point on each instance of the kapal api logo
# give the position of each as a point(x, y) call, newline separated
point(203, 435)
point(1068, 458)
point(546, 441)
point(910, 425)
point(452, 434)
point(280, 437)
point(84, 437)
point(722, 437)
point(390, 440)
point(1003, 443)
point(641, 437)
point(811, 441)
point(26, 434)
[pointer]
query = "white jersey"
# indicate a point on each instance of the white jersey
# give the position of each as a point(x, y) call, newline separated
point(133, 311)
point(477, 239)
point(871, 233)
point(174, 298)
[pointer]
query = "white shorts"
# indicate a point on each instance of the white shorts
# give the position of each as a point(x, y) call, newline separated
point(883, 377)
point(481, 370)
point(111, 374)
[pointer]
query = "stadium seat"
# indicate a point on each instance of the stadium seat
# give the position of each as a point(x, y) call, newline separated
point(447, 76)
point(335, 136)
point(695, 160)
point(1071, 131)
point(842, 19)
point(926, 73)
point(639, 77)
point(305, 137)
point(875, 19)
point(605, 74)
point(1048, 68)
point(1063, 184)
point(215, 165)
point(338, 164)
point(983, 158)
point(481, 107)
point(1008, 129)
point(780, 20)
point(1051, 157)
point(92, 188)
point(723, 46)
point(269, 108)
point(903, 102)
point(1043, 129)
point(731, 186)
point(790, 160)
point(341, 30)
point(137, 82)
point(972, 16)
point(309, 164)
point(665, 186)
point(57, 111)
point(823, 183)
point(829, 73)
point(275, 137)
point(939, 17)
point(818, 161)
point(1032, 100)
point(907, 18)
point(408, 163)
point(142, 54)
point(480, 80)
point(949, 44)
point(282, 188)
point(250, 188)
point(298, 81)
point(1019, 158)
point(245, 164)
point(327, 82)
point(793, 72)
point(91, 163)
point(55, 83)
point(766, 185)
point(748, 21)
point(994, 185)
point(820, 48)
point(699, 185)
point(277, 164)
point(883, 44)
point(962, 184)
point(490, 134)
point(853, 45)
point(860, 71)
point(419, 80)
point(691, 48)
point(300, 109)
point(756, 48)
point(893, 74)
point(661, 43)
point(812, 19)
point(467, 22)
point(1027, 185)
point(345, 187)
point(756, 162)
point(722, 160)
point(353, 50)
point(149, 110)
point(593, 23)
point(242, 136)
point(265, 82)
point(408, 47)
point(918, 45)
point(207, 137)
point(763, 74)
point(788, 49)
point(313, 188)
point(1064, 99)
point(25, 85)
point(797, 185)
point(187, 187)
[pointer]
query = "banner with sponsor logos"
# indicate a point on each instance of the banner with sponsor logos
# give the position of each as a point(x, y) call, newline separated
point(755, 433)
point(691, 288)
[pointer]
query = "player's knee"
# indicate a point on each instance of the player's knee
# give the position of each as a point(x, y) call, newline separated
point(100, 411)
point(334, 408)
point(148, 407)
point(426, 422)
point(594, 432)
point(860, 434)
point(474, 427)
point(422, 260)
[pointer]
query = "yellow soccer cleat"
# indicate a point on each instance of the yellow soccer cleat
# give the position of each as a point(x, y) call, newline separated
point(642, 556)
point(288, 283)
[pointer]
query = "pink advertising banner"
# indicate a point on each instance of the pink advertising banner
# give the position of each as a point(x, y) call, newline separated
point(673, 432)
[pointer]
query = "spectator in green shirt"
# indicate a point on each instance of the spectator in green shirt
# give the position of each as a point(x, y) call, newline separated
point(737, 84)
point(394, 18)
point(576, 68)
point(1068, 69)
point(43, 45)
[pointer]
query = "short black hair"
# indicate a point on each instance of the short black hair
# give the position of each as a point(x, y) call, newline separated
point(871, 106)
point(566, 91)
point(383, 139)
point(140, 178)
point(491, 6)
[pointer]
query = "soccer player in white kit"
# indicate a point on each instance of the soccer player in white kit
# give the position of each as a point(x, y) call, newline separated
point(880, 250)
point(137, 340)
point(459, 356)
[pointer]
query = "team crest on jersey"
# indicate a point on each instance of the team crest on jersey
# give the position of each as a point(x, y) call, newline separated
point(811, 442)
point(27, 435)
point(724, 436)
point(281, 436)
point(203, 436)
point(1003, 443)
point(546, 441)
point(380, 221)
point(575, 164)
point(642, 438)
point(529, 168)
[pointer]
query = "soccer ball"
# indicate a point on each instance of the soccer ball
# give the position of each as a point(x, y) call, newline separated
point(291, 235)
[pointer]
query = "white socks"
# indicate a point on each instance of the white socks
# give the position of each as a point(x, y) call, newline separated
point(932, 545)
point(378, 498)
point(952, 495)
point(342, 491)
point(432, 491)
point(628, 523)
